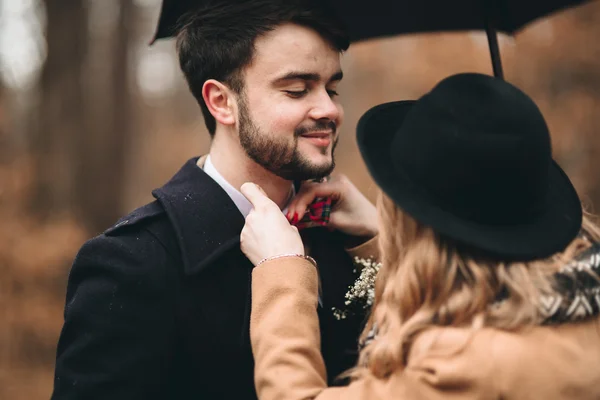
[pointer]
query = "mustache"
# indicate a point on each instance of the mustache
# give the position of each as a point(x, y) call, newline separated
point(319, 126)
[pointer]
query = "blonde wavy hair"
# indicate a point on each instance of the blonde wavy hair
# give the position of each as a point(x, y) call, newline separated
point(427, 281)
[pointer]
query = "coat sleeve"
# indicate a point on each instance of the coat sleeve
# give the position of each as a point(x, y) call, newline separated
point(119, 320)
point(366, 250)
point(284, 333)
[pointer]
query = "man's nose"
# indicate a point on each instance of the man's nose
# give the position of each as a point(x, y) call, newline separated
point(325, 108)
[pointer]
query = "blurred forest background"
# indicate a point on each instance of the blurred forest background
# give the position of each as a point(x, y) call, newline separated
point(92, 119)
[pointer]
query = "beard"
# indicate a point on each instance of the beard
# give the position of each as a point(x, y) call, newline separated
point(280, 155)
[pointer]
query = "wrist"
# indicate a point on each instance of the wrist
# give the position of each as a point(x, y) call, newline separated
point(367, 231)
point(288, 255)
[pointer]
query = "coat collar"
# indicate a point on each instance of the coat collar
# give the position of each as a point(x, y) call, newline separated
point(205, 219)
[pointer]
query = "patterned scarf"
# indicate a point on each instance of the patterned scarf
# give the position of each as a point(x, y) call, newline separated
point(576, 293)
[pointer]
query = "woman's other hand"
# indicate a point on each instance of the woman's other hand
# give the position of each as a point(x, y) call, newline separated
point(351, 212)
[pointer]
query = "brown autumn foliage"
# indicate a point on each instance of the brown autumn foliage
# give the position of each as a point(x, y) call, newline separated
point(34, 260)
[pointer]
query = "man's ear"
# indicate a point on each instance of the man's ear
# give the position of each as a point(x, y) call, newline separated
point(219, 101)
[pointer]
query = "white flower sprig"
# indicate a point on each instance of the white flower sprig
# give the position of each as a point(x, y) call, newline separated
point(361, 295)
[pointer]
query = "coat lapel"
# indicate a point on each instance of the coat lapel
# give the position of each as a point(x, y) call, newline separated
point(218, 276)
point(205, 219)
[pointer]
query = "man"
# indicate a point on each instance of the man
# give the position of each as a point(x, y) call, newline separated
point(158, 306)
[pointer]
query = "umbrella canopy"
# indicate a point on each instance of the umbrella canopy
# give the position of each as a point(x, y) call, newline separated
point(170, 13)
point(380, 18)
point(367, 19)
point(376, 18)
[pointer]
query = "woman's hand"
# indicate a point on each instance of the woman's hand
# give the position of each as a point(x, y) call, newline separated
point(267, 233)
point(351, 212)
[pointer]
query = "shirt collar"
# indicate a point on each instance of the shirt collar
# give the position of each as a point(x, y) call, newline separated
point(236, 196)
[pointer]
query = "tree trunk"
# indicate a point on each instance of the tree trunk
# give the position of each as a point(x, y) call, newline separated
point(61, 108)
point(100, 175)
point(5, 144)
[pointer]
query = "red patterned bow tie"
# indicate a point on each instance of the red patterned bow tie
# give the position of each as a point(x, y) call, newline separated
point(317, 214)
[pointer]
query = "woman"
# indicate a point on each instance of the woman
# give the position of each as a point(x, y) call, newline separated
point(488, 288)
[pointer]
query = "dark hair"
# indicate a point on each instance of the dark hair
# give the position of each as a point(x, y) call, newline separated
point(217, 40)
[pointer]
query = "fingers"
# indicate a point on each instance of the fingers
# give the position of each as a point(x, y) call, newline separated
point(309, 192)
point(255, 195)
point(266, 232)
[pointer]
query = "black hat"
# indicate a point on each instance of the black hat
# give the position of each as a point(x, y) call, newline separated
point(472, 159)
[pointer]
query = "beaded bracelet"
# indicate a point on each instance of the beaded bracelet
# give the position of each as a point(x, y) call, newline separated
point(309, 258)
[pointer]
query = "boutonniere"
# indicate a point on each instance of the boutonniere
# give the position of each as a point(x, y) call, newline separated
point(361, 294)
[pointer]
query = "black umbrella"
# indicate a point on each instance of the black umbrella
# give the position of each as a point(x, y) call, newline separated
point(367, 19)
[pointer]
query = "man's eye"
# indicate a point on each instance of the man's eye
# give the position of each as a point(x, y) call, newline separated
point(296, 93)
point(332, 93)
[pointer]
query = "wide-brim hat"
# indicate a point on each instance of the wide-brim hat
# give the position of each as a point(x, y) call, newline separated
point(472, 159)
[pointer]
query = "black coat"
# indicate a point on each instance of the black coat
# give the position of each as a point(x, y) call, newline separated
point(158, 306)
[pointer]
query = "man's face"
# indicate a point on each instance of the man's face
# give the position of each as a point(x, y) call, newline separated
point(288, 111)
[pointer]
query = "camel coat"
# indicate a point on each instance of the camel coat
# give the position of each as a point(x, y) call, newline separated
point(548, 362)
